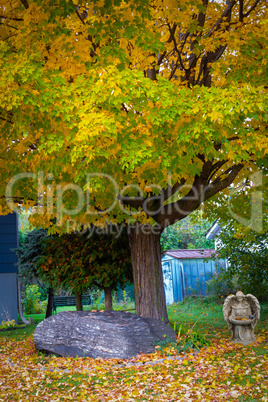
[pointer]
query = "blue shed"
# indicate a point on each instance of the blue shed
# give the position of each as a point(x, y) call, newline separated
point(8, 267)
point(185, 272)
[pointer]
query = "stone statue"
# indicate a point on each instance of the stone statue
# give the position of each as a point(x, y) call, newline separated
point(242, 312)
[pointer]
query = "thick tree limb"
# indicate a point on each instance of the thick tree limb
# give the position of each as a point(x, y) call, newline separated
point(215, 168)
point(241, 5)
point(219, 185)
point(200, 191)
point(170, 191)
point(133, 202)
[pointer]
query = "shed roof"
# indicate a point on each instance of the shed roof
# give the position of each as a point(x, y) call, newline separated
point(183, 254)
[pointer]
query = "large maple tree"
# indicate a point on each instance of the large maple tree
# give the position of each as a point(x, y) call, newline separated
point(131, 112)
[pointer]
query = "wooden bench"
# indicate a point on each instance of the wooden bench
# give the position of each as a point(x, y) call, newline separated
point(62, 301)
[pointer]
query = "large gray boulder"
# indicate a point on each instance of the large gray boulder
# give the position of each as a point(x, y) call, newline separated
point(113, 334)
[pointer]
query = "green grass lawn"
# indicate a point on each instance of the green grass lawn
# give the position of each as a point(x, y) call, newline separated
point(221, 371)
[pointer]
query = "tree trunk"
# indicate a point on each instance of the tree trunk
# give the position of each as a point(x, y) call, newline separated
point(50, 302)
point(149, 290)
point(108, 299)
point(78, 300)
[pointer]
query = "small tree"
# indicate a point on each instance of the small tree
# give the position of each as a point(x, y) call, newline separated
point(30, 250)
point(83, 261)
point(247, 254)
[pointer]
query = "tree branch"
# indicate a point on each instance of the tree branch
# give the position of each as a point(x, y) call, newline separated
point(10, 26)
point(134, 202)
point(11, 18)
point(161, 57)
point(218, 185)
point(225, 13)
point(192, 60)
point(82, 16)
point(172, 31)
point(9, 121)
point(170, 191)
point(215, 168)
point(25, 3)
point(179, 61)
point(207, 59)
point(124, 107)
point(241, 5)
point(252, 8)
point(199, 192)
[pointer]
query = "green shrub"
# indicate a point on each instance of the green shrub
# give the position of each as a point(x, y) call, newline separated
point(220, 285)
point(8, 324)
point(31, 301)
point(186, 339)
point(247, 254)
point(191, 339)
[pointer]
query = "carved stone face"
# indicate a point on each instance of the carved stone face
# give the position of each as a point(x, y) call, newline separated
point(239, 299)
